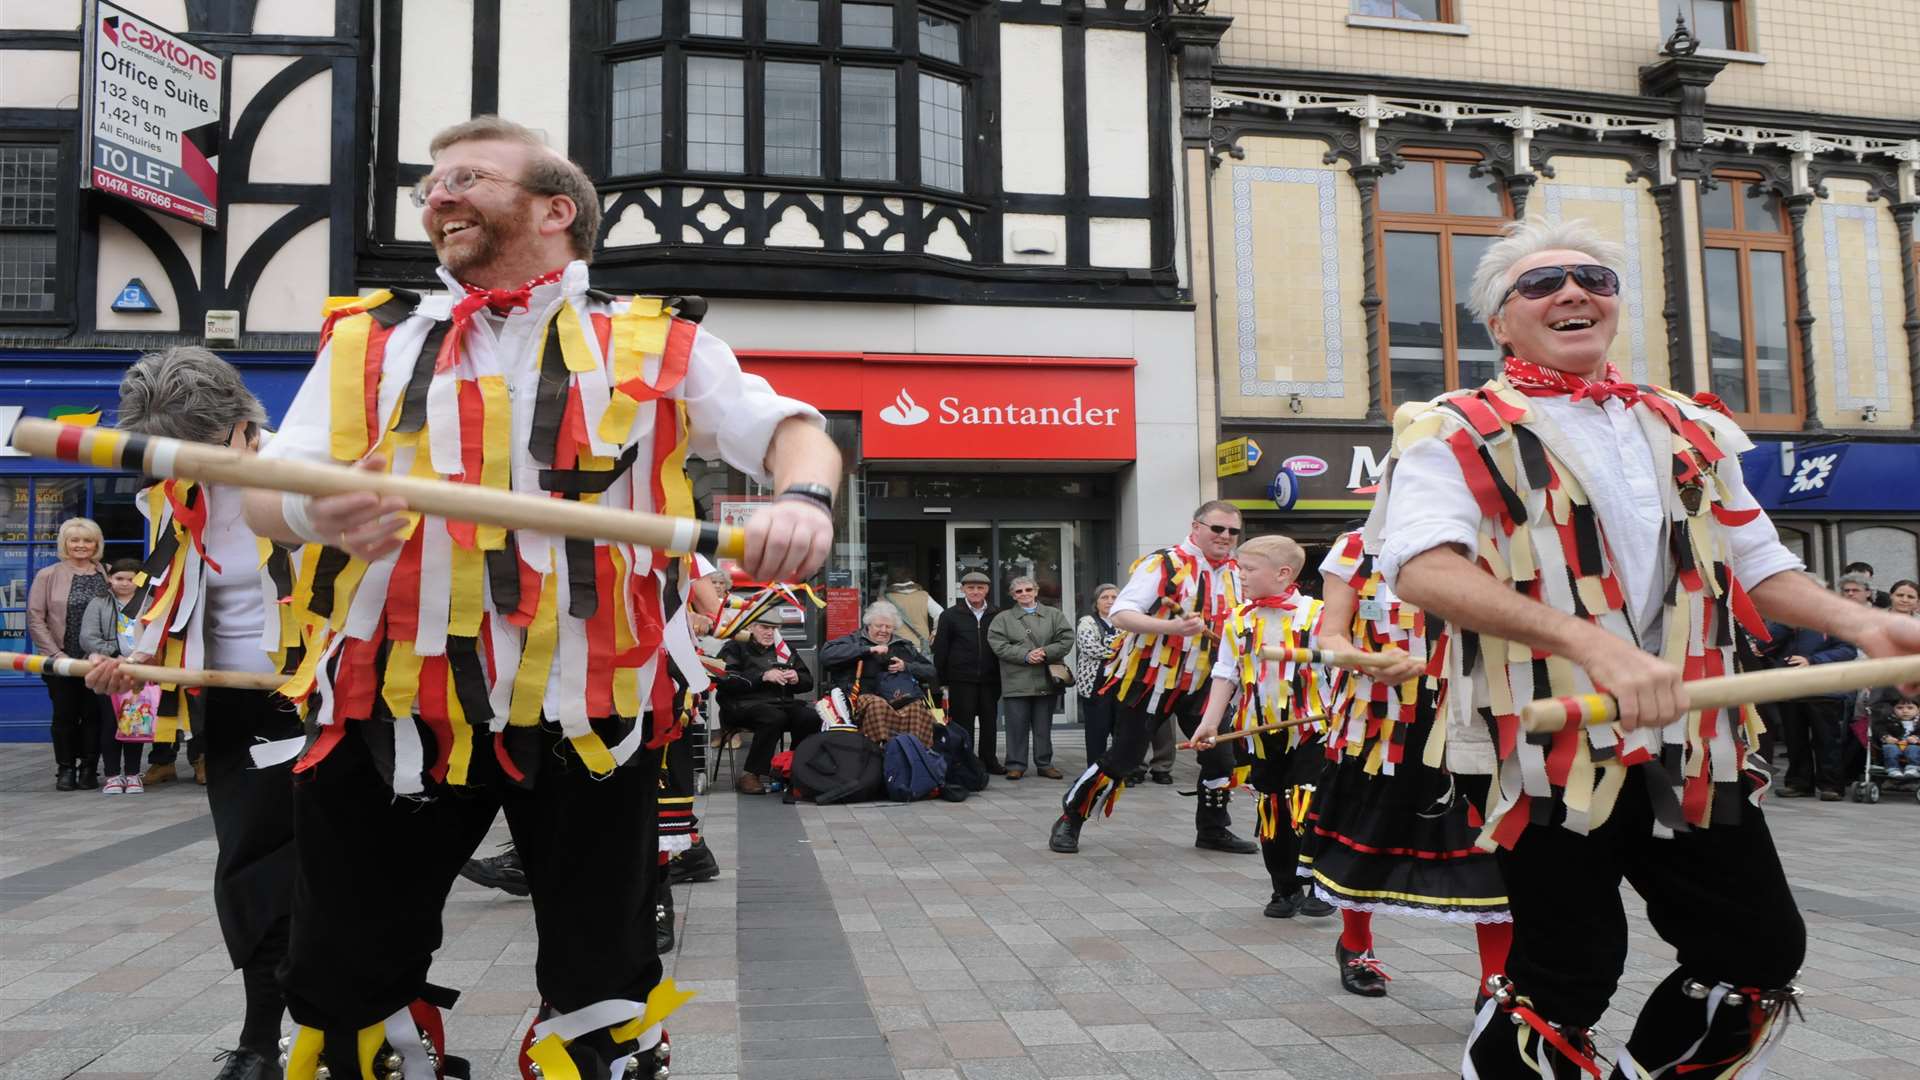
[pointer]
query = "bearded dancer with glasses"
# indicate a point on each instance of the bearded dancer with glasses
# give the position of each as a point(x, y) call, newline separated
point(1578, 532)
point(1170, 615)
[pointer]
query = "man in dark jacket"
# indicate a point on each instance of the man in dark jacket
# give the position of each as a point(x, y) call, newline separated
point(757, 695)
point(1815, 726)
point(968, 669)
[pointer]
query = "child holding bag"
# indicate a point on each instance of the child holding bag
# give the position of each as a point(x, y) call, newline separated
point(107, 630)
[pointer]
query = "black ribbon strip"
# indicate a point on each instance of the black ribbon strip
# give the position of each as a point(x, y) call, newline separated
point(1533, 458)
point(469, 680)
point(503, 574)
point(332, 560)
point(583, 594)
point(550, 400)
point(413, 406)
point(588, 481)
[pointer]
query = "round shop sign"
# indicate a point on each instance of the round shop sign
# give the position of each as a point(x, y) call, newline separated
point(1304, 465)
point(1283, 490)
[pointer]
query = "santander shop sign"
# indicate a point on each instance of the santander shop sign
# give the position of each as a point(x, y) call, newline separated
point(997, 408)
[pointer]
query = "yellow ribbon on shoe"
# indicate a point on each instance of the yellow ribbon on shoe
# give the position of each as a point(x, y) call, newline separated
point(624, 1020)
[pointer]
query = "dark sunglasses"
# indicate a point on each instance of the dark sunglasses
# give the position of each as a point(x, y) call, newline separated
point(1546, 280)
point(1221, 530)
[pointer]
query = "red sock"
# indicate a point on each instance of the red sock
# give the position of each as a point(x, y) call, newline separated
point(1356, 930)
point(1495, 939)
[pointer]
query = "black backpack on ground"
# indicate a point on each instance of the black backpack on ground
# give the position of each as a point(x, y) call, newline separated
point(839, 765)
point(965, 770)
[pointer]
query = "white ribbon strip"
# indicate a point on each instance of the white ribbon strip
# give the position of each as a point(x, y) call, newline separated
point(277, 752)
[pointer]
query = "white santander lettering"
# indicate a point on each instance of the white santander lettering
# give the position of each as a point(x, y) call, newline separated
point(1076, 414)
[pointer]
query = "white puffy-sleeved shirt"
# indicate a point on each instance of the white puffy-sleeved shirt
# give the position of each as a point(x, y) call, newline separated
point(1429, 504)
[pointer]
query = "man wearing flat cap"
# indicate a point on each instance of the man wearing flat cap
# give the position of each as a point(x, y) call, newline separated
point(969, 672)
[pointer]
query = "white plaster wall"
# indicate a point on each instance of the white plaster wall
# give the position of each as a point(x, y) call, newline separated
point(40, 79)
point(406, 218)
point(291, 289)
point(1120, 242)
point(124, 256)
point(295, 146)
point(436, 71)
point(1117, 114)
point(294, 18)
point(1050, 223)
point(39, 14)
point(1033, 111)
point(167, 14)
point(535, 93)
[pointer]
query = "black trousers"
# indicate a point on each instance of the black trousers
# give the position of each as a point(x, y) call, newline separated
point(116, 758)
point(252, 808)
point(1096, 713)
point(1816, 747)
point(375, 871)
point(1133, 729)
point(976, 707)
point(769, 721)
point(76, 721)
point(1717, 895)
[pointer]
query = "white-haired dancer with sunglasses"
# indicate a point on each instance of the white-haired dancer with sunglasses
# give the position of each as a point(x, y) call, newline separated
point(1169, 615)
point(1579, 532)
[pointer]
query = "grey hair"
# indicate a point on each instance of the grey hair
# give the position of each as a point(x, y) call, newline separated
point(1861, 580)
point(1530, 237)
point(878, 608)
point(1021, 580)
point(186, 393)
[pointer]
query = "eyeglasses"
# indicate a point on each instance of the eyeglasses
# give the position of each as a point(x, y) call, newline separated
point(1221, 530)
point(458, 181)
point(1547, 280)
point(1017, 592)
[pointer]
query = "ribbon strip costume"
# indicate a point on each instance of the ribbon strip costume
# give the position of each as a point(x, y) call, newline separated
point(1157, 677)
point(1622, 505)
point(478, 669)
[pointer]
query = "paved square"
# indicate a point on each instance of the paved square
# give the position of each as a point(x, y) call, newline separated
point(932, 941)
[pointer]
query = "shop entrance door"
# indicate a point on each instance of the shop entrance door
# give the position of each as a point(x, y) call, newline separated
point(1041, 550)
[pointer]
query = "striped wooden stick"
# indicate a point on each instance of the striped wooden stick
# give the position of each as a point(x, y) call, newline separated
point(1750, 688)
point(34, 664)
point(160, 456)
point(1263, 729)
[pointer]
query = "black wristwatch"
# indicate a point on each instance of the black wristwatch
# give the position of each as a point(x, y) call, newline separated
point(819, 494)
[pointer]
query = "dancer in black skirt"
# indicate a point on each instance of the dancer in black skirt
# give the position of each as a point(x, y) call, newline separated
point(1392, 829)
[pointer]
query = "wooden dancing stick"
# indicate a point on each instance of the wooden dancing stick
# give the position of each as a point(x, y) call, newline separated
point(1752, 688)
point(1263, 729)
point(159, 456)
point(34, 664)
point(1352, 659)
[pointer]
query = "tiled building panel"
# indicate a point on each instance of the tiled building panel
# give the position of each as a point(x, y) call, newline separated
point(1595, 190)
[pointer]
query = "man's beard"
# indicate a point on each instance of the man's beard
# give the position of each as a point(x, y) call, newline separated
point(478, 251)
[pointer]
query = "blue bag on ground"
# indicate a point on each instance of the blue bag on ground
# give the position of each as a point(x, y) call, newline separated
point(965, 770)
point(913, 771)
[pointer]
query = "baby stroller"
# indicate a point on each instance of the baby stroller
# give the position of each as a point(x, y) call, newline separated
point(1875, 778)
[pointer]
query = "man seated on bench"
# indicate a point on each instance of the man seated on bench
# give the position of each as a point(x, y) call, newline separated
point(757, 695)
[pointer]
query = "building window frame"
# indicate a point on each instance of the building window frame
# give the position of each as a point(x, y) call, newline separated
point(64, 229)
point(1445, 226)
point(1445, 11)
point(675, 45)
point(1744, 241)
point(1738, 33)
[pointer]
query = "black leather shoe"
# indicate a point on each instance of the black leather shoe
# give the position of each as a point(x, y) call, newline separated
point(1136, 777)
point(994, 768)
point(1282, 907)
point(64, 780)
point(89, 779)
point(1065, 838)
point(696, 864)
point(245, 1064)
point(663, 923)
point(1359, 973)
point(1163, 778)
point(502, 871)
point(1313, 907)
point(1224, 840)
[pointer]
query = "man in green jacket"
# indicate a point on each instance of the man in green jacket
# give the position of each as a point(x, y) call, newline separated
point(1028, 637)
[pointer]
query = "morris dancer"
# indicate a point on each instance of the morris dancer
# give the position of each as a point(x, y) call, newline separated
point(1286, 763)
point(467, 669)
point(1170, 612)
point(205, 596)
point(1576, 531)
point(1392, 830)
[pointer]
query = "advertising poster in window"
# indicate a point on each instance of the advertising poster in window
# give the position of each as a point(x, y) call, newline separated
point(152, 110)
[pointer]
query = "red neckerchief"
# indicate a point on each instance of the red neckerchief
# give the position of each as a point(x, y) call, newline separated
point(499, 301)
point(1277, 600)
point(1534, 380)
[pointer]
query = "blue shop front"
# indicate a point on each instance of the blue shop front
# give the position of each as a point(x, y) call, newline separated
point(36, 495)
point(1840, 500)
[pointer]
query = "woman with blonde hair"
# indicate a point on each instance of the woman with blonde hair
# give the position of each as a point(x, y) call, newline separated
point(56, 608)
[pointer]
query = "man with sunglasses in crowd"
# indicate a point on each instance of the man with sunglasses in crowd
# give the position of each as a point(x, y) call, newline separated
point(1170, 614)
point(1580, 533)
